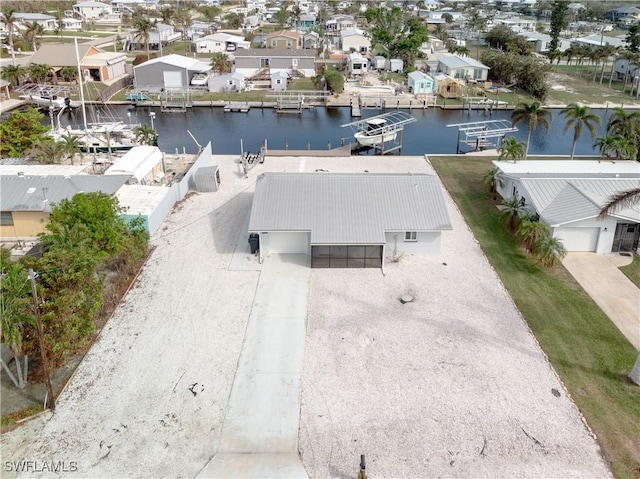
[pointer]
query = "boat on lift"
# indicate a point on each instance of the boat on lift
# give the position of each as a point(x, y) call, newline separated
point(376, 132)
point(47, 100)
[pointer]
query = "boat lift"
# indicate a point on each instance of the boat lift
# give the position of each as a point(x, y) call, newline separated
point(479, 134)
point(394, 122)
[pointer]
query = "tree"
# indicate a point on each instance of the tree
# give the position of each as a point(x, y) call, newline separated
point(167, 15)
point(607, 51)
point(534, 115)
point(511, 210)
point(183, 18)
point(70, 146)
point(578, 117)
point(334, 79)
point(31, 32)
point(38, 72)
point(530, 232)
point(210, 12)
point(9, 19)
point(625, 148)
point(69, 73)
point(143, 29)
point(395, 34)
point(234, 20)
point(633, 38)
point(558, 22)
point(281, 16)
point(145, 135)
point(492, 181)
point(511, 149)
point(47, 151)
point(548, 250)
point(448, 18)
point(20, 131)
point(220, 62)
point(14, 74)
point(607, 145)
point(625, 124)
point(15, 312)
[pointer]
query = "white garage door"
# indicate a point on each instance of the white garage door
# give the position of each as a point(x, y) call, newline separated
point(579, 239)
point(172, 79)
point(289, 243)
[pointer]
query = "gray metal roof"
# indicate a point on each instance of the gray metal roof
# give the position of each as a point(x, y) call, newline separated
point(274, 53)
point(561, 200)
point(454, 61)
point(348, 208)
point(38, 193)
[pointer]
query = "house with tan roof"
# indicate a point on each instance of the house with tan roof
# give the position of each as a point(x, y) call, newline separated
point(285, 39)
point(96, 64)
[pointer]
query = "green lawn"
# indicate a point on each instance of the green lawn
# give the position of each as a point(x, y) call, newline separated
point(590, 354)
point(632, 271)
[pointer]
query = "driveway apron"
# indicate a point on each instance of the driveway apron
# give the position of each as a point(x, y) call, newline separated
point(260, 432)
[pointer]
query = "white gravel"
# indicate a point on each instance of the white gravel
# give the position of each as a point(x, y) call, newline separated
point(450, 385)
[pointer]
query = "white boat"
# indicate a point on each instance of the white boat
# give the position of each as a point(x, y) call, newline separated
point(45, 99)
point(376, 133)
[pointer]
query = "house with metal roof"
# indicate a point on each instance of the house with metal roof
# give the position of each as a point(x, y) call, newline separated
point(169, 71)
point(92, 10)
point(568, 196)
point(354, 39)
point(96, 64)
point(348, 220)
point(262, 62)
point(144, 165)
point(463, 68)
point(26, 201)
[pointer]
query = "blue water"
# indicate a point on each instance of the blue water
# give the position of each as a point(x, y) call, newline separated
point(320, 127)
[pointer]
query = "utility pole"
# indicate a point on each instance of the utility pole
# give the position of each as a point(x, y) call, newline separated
point(51, 402)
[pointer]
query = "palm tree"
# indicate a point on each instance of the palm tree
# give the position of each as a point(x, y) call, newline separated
point(143, 29)
point(493, 180)
point(69, 73)
point(167, 15)
point(632, 58)
point(534, 115)
point(38, 72)
point(14, 74)
point(71, 146)
point(625, 148)
point(31, 32)
point(548, 250)
point(15, 311)
point(622, 200)
point(512, 209)
point(530, 231)
point(9, 19)
point(220, 62)
point(623, 123)
point(145, 135)
point(47, 151)
point(511, 149)
point(579, 116)
point(607, 52)
point(607, 145)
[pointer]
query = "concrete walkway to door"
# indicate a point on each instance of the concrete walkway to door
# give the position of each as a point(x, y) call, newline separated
point(616, 295)
point(260, 431)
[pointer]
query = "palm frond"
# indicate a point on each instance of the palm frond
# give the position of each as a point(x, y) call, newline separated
point(620, 201)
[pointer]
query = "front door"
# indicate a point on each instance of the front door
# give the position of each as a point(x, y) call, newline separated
point(626, 237)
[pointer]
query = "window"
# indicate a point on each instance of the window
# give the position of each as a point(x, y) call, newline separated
point(411, 236)
point(288, 43)
point(274, 43)
point(6, 219)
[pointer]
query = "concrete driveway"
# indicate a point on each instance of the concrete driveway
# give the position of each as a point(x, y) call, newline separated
point(616, 295)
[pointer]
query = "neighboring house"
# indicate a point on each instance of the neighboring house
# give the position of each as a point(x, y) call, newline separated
point(597, 40)
point(623, 67)
point(27, 199)
point(221, 42)
point(378, 62)
point(228, 82)
point(421, 84)
point(348, 220)
point(311, 41)
point(438, 17)
point(198, 30)
point(130, 5)
point(464, 68)
point(284, 39)
point(72, 24)
point(353, 39)
point(143, 164)
point(96, 64)
point(568, 195)
point(45, 21)
point(92, 10)
point(540, 42)
point(279, 80)
point(159, 37)
point(518, 24)
point(307, 21)
point(340, 22)
point(356, 64)
point(263, 62)
point(617, 13)
point(170, 71)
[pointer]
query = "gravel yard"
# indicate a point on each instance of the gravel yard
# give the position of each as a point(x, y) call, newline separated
point(452, 384)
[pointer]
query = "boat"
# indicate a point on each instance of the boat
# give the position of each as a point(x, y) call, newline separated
point(376, 133)
point(48, 100)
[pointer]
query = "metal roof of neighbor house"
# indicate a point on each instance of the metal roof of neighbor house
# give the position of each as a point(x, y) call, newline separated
point(283, 33)
point(348, 208)
point(59, 55)
point(139, 161)
point(568, 168)
point(273, 53)
point(174, 60)
point(38, 193)
point(454, 61)
point(92, 4)
point(565, 200)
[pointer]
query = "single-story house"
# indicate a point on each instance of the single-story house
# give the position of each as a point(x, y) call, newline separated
point(144, 165)
point(91, 10)
point(540, 42)
point(354, 39)
point(598, 39)
point(170, 71)
point(567, 196)
point(234, 81)
point(421, 83)
point(378, 62)
point(279, 80)
point(96, 64)
point(27, 199)
point(340, 22)
point(71, 24)
point(356, 64)
point(221, 42)
point(47, 22)
point(263, 62)
point(307, 21)
point(284, 39)
point(348, 220)
point(464, 68)
point(130, 5)
point(311, 40)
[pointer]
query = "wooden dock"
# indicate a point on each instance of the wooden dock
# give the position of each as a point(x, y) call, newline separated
point(237, 107)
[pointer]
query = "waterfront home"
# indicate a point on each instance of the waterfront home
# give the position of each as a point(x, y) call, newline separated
point(47, 22)
point(279, 80)
point(284, 39)
point(464, 68)
point(356, 64)
point(353, 39)
point(92, 10)
point(623, 67)
point(96, 64)
point(348, 220)
point(160, 36)
point(421, 83)
point(170, 71)
point(567, 196)
point(260, 62)
point(221, 42)
point(228, 82)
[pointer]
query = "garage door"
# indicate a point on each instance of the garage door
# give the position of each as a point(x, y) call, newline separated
point(172, 79)
point(340, 256)
point(289, 243)
point(579, 239)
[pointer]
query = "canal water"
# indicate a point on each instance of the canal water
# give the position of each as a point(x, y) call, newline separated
point(320, 128)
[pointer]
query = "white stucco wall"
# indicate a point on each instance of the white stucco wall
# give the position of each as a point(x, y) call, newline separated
point(605, 238)
point(426, 243)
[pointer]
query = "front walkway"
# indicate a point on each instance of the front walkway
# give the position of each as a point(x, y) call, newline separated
point(260, 430)
point(616, 295)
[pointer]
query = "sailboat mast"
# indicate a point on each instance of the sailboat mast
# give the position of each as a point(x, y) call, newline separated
point(84, 111)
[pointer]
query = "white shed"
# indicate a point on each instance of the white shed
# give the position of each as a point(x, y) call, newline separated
point(143, 163)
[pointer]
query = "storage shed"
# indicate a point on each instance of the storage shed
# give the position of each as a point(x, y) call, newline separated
point(207, 179)
point(143, 163)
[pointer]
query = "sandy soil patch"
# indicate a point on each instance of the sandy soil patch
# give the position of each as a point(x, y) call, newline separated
point(450, 385)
